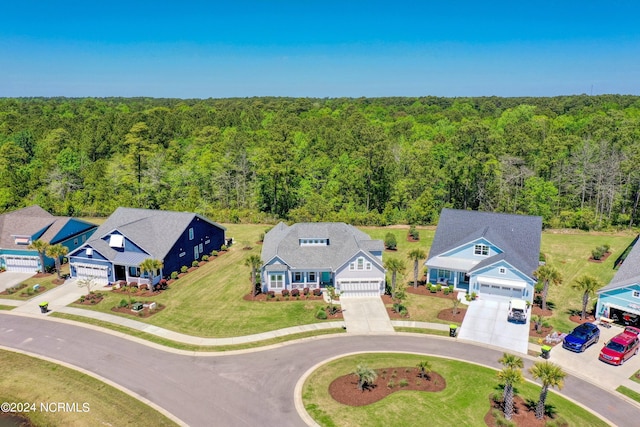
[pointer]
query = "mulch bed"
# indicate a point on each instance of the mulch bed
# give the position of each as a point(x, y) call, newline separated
point(145, 312)
point(91, 299)
point(423, 290)
point(137, 293)
point(602, 259)
point(345, 390)
point(411, 239)
point(280, 298)
point(575, 318)
point(523, 415)
point(447, 314)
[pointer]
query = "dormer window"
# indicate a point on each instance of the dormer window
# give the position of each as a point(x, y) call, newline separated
point(21, 240)
point(89, 251)
point(482, 250)
point(360, 264)
point(314, 242)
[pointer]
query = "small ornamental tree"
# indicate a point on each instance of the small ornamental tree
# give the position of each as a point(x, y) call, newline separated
point(390, 241)
point(366, 376)
point(88, 282)
point(425, 369)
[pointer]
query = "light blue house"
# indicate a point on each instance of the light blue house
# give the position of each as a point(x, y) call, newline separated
point(620, 299)
point(317, 255)
point(491, 254)
point(18, 229)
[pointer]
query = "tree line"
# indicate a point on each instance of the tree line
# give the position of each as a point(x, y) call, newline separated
point(572, 160)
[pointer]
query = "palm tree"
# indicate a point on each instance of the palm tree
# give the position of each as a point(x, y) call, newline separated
point(547, 274)
point(394, 265)
point(151, 266)
point(416, 255)
point(538, 321)
point(510, 376)
point(551, 375)
point(588, 285)
point(253, 261)
point(40, 246)
point(55, 252)
point(366, 376)
point(425, 368)
point(511, 361)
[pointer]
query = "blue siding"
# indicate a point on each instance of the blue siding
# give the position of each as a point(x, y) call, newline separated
point(74, 228)
point(210, 236)
point(466, 251)
point(622, 297)
point(91, 261)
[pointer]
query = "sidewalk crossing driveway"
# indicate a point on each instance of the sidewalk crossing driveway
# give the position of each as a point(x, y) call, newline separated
point(486, 322)
point(365, 315)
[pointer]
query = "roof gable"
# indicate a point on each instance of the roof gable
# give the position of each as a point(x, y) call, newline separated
point(629, 272)
point(517, 236)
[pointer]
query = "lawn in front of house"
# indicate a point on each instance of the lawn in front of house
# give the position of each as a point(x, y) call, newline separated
point(457, 404)
point(46, 283)
point(208, 302)
point(31, 380)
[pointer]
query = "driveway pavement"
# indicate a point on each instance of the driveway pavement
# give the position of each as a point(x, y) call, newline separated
point(486, 322)
point(57, 298)
point(12, 278)
point(365, 315)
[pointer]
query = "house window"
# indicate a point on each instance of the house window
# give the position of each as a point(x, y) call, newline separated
point(297, 276)
point(196, 253)
point(84, 238)
point(191, 233)
point(481, 250)
point(312, 276)
point(75, 241)
point(636, 294)
point(360, 263)
point(276, 281)
point(182, 254)
point(134, 272)
point(313, 242)
point(368, 265)
point(200, 248)
point(352, 266)
point(502, 270)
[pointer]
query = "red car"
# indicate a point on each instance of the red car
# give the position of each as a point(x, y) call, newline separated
point(621, 347)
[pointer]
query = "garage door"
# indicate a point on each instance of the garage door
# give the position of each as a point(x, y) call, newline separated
point(359, 288)
point(500, 290)
point(95, 272)
point(22, 264)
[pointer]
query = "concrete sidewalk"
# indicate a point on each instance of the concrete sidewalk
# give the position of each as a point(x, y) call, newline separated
point(58, 297)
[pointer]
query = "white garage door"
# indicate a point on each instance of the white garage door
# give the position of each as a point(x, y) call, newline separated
point(500, 290)
point(95, 272)
point(22, 264)
point(359, 288)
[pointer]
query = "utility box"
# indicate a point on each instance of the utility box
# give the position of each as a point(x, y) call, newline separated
point(136, 307)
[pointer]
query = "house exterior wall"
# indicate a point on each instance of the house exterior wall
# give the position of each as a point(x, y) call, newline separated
point(511, 273)
point(344, 272)
point(75, 261)
point(206, 237)
point(622, 297)
point(74, 242)
point(467, 251)
point(19, 252)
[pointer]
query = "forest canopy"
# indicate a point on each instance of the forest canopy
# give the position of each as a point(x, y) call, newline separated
point(572, 160)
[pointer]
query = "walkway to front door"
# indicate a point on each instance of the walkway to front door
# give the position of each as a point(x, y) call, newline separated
point(365, 315)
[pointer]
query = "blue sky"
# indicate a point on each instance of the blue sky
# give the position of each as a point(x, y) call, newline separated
point(202, 49)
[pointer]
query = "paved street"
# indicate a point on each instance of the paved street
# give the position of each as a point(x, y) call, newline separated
point(245, 388)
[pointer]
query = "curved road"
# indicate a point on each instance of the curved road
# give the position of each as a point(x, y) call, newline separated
point(246, 388)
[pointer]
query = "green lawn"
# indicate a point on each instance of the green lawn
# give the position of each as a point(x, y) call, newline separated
point(46, 283)
point(31, 380)
point(458, 404)
point(631, 394)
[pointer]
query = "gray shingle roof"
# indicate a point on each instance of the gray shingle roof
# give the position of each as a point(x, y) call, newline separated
point(517, 235)
point(31, 220)
point(344, 242)
point(154, 231)
point(628, 273)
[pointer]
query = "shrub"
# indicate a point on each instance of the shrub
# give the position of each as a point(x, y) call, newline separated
point(143, 287)
point(321, 314)
point(224, 248)
point(597, 253)
point(271, 294)
point(194, 263)
point(414, 233)
point(403, 382)
point(295, 292)
point(438, 287)
point(285, 292)
point(305, 291)
point(174, 275)
point(261, 237)
point(390, 241)
point(133, 284)
point(317, 292)
point(214, 253)
point(184, 269)
point(205, 257)
point(446, 291)
point(123, 303)
point(433, 288)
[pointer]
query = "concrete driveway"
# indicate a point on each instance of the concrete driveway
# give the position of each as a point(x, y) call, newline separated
point(602, 373)
point(12, 278)
point(486, 322)
point(365, 315)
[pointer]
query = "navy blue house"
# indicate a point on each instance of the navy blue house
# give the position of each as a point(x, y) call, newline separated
point(130, 236)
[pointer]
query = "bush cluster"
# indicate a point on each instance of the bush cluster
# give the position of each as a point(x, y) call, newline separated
point(600, 251)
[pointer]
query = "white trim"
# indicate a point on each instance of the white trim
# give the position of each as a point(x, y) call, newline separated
point(503, 282)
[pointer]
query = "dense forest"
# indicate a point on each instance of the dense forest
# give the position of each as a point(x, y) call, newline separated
point(572, 160)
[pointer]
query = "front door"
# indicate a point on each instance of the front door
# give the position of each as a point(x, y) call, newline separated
point(120, 272)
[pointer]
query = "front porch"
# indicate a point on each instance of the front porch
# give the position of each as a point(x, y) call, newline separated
point(459, 279)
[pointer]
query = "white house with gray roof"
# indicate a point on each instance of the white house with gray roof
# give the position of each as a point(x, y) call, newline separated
point(491, 254)
point(620, 299)
point(129, 236)
point(317, 255)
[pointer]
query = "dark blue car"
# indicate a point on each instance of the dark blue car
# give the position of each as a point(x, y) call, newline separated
point(581, 337)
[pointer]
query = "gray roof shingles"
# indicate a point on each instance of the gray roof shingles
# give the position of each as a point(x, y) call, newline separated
point(628, 273)
point(344, 242)
point(517, 235)
point(154, 231)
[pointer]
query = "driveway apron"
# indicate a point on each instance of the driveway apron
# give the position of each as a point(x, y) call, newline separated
point(12, 278)
point(486, 322)
point(365, 315)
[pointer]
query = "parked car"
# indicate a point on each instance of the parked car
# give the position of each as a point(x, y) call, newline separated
point(621, 347)
point(581, 337)
point(517, 311)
